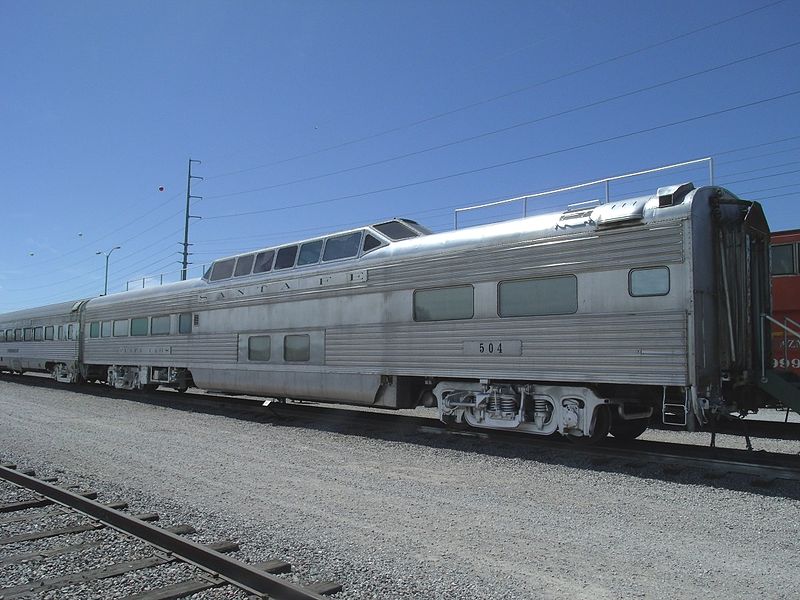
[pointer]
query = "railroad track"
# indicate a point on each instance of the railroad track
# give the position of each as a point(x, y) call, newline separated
point(713, 463)
point(211, 566)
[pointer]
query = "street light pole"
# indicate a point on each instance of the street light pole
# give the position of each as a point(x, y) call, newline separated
point(107, 254)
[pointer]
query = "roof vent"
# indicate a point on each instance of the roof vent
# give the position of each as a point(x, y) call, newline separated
point(673, 194)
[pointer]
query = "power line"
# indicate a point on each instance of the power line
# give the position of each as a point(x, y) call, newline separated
point(504, 95)
point(510, 127)
point(514, 162)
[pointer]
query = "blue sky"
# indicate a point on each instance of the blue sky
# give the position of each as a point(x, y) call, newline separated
point(310, 117)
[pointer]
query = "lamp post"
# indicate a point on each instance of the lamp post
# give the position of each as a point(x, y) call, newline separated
point(107, 254)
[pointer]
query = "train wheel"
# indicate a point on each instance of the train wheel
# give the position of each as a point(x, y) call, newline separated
point(628, 430)
point(602, 425)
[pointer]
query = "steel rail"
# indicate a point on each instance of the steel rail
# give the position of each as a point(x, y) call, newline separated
point(231, 570)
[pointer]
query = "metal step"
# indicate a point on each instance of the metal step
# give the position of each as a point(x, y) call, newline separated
point(777, 386)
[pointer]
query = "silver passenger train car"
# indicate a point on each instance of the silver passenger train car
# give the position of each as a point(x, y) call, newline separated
point(579, 322)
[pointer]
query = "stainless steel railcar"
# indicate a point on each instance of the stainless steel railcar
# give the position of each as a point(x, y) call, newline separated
point(577, 322)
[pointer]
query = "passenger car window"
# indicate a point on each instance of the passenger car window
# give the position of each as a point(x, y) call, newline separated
point(185, 323)
point(244, 264)
point(342, 246)
point(444, 304)
point(18, 335)
point(396, 231)
point(370, 242)
point(653, 281)
point(159, 325)
point(285, 258)
point(139, 326)
point(309, 253)
point(94, 330)
point(296, 348)
point(539, 296)
point(259, 348)
point(29, 334)
point(38, 334)
point(121, 328)
point(222, 269)
point(48, 332)
point(264, 261)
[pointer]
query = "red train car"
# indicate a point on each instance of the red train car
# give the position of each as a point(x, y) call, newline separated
point(786, 300)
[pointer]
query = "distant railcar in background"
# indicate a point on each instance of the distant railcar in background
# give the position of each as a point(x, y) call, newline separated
point(786, 301)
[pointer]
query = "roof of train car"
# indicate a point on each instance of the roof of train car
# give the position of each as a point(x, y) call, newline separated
point(549, 225)
point(60, 308)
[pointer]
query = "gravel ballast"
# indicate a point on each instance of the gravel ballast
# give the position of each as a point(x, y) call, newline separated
point(414, 516)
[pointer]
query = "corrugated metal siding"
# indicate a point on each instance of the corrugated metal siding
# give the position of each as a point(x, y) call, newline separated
point(645, 348)
point(162, 351)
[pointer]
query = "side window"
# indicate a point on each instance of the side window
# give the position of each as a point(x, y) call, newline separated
point(18, 335)
point(244, 264)
point(61, 332)
point(264, 261)
point(285, 258)
point(309, 253)
point(94, 330)
point(296, 348)
point(782, 259)
point(38, 334)
point(222, 269)
point(185, 323)
point(139, 326)
point(48, 332)
point(370, 243)
point(159, 325)
point(9, 335)
point(72, 331)
point(258, 348)
point(121, 328)
point(29, 334)
point(105, 329)
point(444, 304)
point(653, 281)
point(342, 246)
point(540, 296)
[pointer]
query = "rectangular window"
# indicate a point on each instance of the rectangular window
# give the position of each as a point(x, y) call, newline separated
point(159, 325)
point(259, 347)
point(48, 332)
point(61, 332)
point(94, 329)
point(105, 329)
point(286, 256)
point(264, 261)
point(222, 269)
point(29, 334)
point(309, 253)
point(342, 246)
point(185, 323)
point(444, 304)
point(38, 334)
point(782, 259)
point(9, 335)
point(653, 281)
point(244, 264)
point(139, 326)
point(121, 328)
point(540, 296)
point(72, 331)
point(296, 348)
point(18, 335)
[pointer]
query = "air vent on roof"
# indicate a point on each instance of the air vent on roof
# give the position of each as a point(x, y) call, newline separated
point(673, 194)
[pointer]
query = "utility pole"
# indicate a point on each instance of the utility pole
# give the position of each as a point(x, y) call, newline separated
point(189, 198)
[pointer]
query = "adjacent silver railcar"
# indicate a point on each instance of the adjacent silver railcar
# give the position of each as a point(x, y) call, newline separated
point(579, 322)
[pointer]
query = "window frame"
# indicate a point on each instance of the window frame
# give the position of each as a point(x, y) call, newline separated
point(434, 289)
point(126, 322)
point(218, 264)
point(160, 318)
point(359, 233)
point(539, 314)
point(250, 348)
point(308, 348)
point(240, 259)
point(146, 326)
point(181, 318)
point(38, 334)
point(106, 329)
point(793, 248)
point(94, 329)
point(654, 268)
point(275, 266)
point(51, 330)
